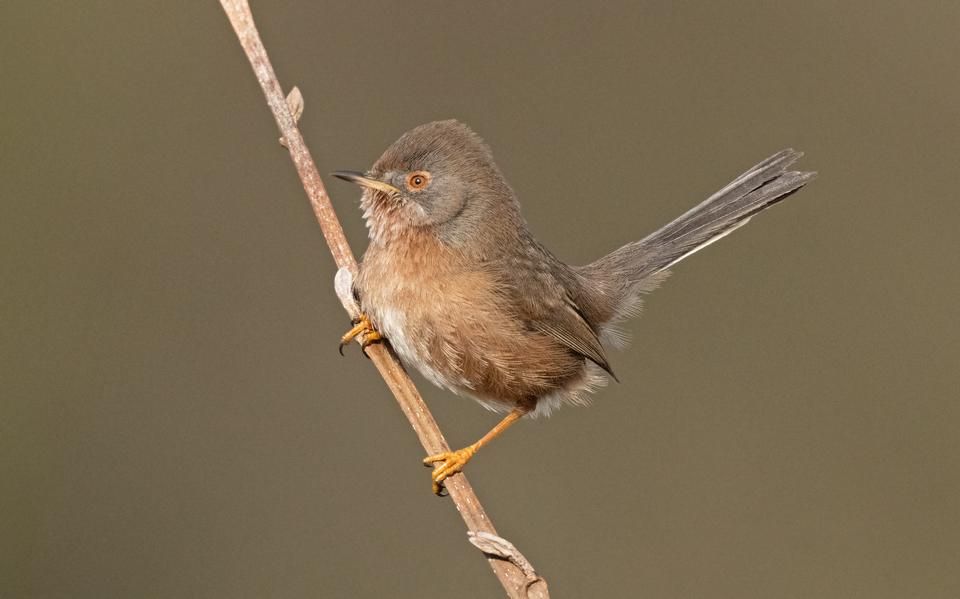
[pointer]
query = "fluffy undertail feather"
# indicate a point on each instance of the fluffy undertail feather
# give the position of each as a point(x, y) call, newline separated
point(639, 266)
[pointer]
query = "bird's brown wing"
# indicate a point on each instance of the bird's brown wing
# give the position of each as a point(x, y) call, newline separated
point(568, 326)
point(543, 300)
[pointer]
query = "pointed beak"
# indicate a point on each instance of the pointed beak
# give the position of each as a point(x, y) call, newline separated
point(363, 181)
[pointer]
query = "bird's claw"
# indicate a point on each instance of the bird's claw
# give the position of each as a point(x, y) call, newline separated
point(362, 329)
point(447, 464)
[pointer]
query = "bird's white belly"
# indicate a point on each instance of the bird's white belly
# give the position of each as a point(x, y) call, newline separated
point(391, 321)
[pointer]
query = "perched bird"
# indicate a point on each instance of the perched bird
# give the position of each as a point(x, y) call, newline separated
point(456, 283)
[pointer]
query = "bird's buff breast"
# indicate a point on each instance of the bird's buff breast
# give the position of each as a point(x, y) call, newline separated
point(449, 320)
point(414, 292)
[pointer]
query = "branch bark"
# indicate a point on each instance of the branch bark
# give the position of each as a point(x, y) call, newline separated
point(516, 582)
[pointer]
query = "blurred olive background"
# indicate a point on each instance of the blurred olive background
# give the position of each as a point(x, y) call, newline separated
point(175, 420)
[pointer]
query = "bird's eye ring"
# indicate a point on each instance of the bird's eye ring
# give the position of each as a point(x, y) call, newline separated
point(418, 180)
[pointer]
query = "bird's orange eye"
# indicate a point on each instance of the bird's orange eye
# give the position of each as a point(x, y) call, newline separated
point(417, 180)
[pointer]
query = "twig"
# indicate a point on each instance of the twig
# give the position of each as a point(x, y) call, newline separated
point(515, 581)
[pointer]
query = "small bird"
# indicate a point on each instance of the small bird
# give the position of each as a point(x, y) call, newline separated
point(454, 280)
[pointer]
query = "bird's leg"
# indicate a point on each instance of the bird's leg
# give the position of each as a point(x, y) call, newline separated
point(449, 463)
point(362, 328)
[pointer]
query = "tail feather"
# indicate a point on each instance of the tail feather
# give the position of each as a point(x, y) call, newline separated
point(639, 266)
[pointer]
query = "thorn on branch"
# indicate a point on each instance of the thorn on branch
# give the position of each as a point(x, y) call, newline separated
point(343, 285)
point(295, 103)
point(497, 546)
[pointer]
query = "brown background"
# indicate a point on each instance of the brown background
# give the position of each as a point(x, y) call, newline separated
point(175, 420)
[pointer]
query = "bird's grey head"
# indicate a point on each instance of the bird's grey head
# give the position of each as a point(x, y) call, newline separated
point(440, 175)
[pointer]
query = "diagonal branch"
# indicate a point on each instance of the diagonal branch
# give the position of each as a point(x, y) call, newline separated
point(515, 580)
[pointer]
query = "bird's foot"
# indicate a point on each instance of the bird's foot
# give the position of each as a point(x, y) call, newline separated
point(362, 329)
point(448, 463)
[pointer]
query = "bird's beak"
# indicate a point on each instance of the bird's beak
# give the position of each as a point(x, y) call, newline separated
point(360, 179)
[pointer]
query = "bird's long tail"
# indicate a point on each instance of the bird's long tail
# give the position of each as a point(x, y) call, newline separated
point(638, 267)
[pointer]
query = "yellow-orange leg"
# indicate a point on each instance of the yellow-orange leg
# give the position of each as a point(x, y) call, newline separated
point(362, 328)
point(449, 463)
